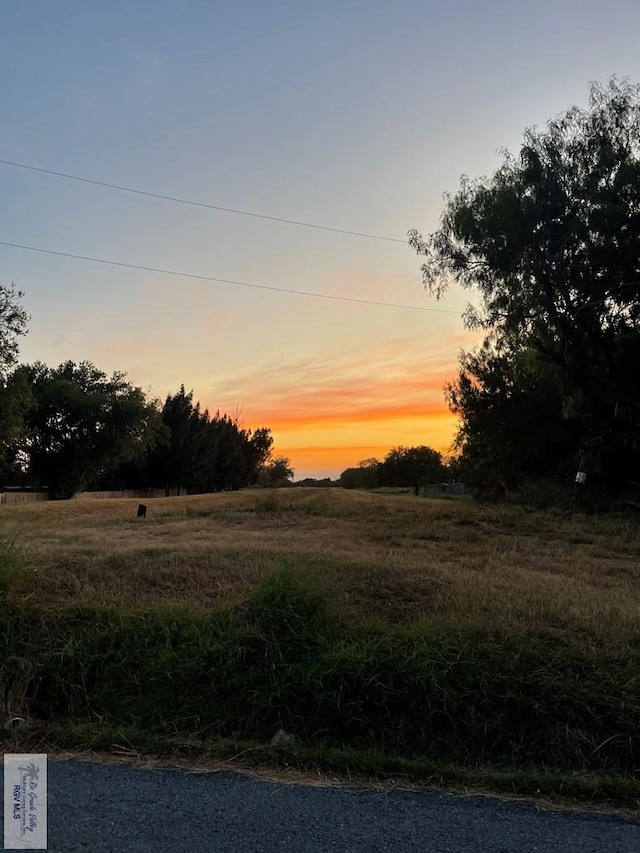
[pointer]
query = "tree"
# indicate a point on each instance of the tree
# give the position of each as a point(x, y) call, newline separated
point(16, 398)
point(257, 451)
point(13, 324)
point(79, 424)
point(313, 483)
point(277, 472)
point(513, 422)
point(172, 463)
point(551, 242)
point(204, 453)
point(412, 466)
point(366, 475)
point(13, 395)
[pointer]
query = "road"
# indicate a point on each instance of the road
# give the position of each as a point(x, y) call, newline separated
point(106, 808)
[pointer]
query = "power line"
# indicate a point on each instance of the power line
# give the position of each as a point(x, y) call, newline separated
point(200, 203)
point(226, 280)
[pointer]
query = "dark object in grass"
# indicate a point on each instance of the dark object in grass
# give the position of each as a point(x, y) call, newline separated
point(142, 511)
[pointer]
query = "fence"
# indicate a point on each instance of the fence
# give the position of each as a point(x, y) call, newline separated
point(126, 493)
point(22, 497)
point(16, 497)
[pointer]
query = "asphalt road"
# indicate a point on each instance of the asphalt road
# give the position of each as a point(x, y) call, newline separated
point(118, 809)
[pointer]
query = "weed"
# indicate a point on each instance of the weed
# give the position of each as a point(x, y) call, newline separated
point(291, 614)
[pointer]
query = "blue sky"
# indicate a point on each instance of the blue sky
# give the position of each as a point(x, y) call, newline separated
point(352, 115)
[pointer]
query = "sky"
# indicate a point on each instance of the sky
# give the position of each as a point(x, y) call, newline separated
point(353, 115)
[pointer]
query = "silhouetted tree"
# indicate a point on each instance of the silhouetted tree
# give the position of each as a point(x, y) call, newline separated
point(174, 462)
point(258, 447)
point(13, 324)
point(551, 242)
point(204, 453)
point(79, 423)
point(14, 394)
point(513, 420)
point(412, 466)
point(313, 483)
point(365, 475)
point(277, 472)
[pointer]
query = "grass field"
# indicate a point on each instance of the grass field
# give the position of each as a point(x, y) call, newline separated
point(388, 633)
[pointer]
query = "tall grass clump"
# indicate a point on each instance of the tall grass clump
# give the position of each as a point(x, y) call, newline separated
point(289, 614)
point(480, 696)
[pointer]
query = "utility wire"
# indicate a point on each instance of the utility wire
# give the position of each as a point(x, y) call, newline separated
point(200, 203)
point(226, 280)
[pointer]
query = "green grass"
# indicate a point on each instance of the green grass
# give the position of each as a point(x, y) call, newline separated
point(278, 658)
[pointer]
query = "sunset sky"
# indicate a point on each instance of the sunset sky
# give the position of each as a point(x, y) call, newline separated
point(348, 115)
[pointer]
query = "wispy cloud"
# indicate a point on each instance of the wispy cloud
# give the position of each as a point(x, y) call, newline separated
point(327, 412)
point(385, 381)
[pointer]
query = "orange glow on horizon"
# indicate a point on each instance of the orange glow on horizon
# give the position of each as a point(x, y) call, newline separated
point(329, 457)
point(324, 442)
point(329, 412)
point(361, 416)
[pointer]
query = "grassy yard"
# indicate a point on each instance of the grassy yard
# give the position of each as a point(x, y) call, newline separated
point(437, 638)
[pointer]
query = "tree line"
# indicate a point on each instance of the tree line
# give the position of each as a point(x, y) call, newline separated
point(73, 427)
point(408, 467)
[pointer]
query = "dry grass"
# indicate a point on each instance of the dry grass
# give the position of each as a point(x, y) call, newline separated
point(392, 558)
